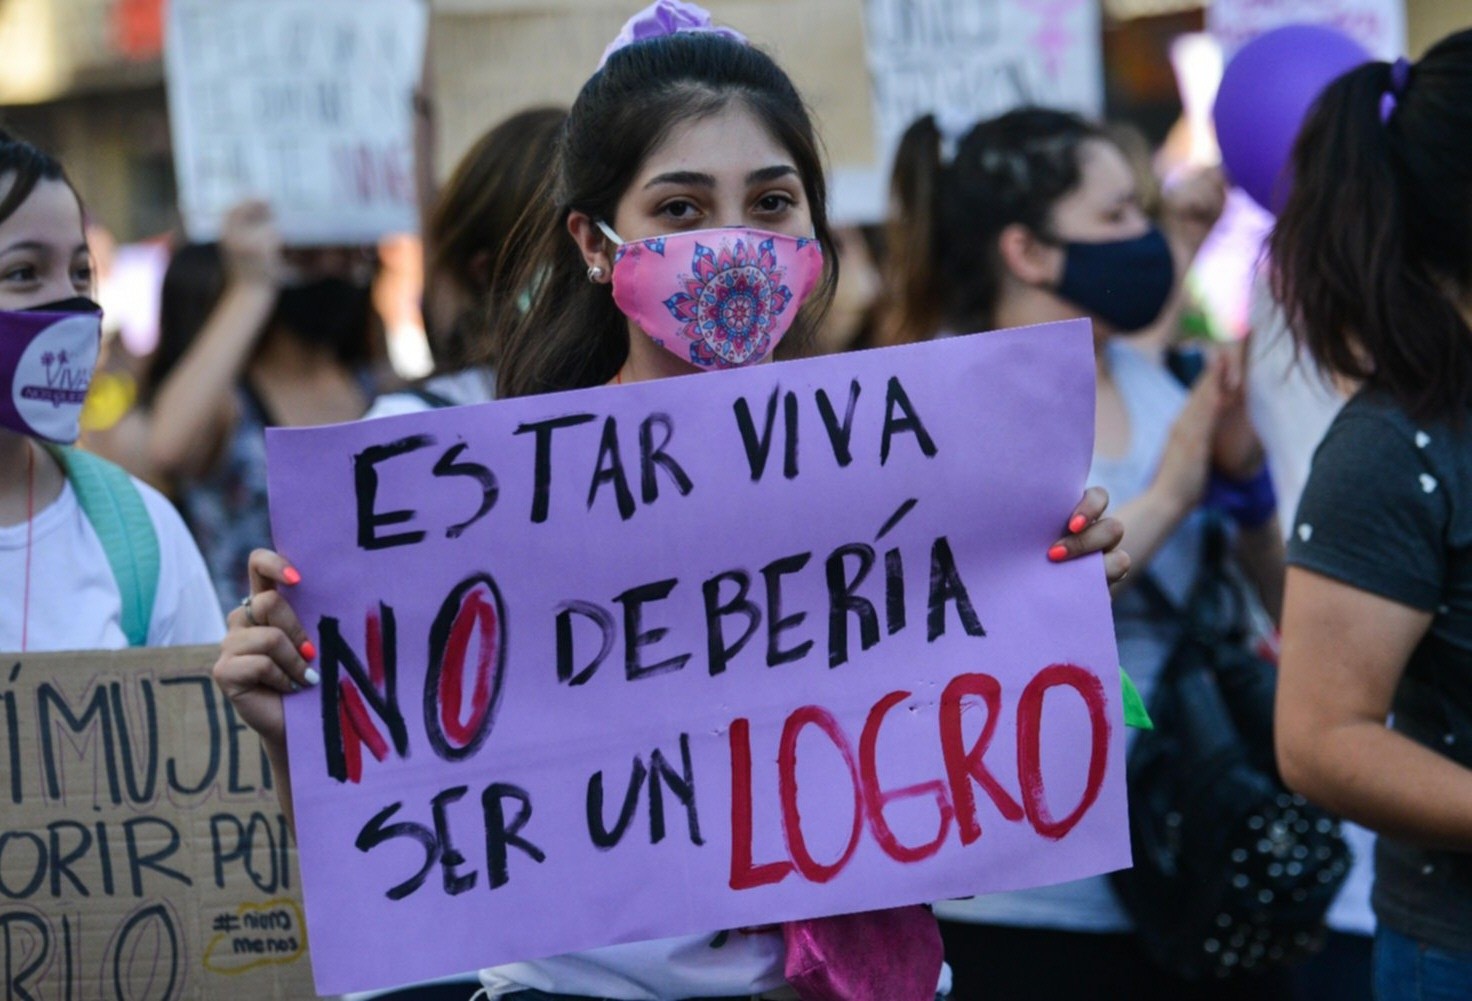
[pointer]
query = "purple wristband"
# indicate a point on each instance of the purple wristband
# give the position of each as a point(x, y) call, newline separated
point(1251, 503)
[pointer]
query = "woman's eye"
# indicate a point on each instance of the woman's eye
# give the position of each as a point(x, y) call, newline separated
point(678, 210)
point(776, 202)
point(20, 273)
point(82, 274)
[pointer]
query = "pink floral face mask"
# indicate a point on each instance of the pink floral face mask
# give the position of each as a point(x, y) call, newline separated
point(717, 298)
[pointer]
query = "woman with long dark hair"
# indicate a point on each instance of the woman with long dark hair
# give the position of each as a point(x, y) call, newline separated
point(1373, 252)
point(1036, 217)
point(686, 133)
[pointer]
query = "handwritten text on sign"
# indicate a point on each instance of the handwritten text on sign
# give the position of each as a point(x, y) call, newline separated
point(142, 854)
point(967, 60)
point(1378, 25)
point(306, 105)
point(702, 653)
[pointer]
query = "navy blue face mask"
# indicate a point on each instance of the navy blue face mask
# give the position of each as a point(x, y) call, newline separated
point(1125, 283)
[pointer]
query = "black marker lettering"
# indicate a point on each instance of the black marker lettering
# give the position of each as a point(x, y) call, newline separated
point(489, 490)
point(895, 397)
point(842, 602)
point(610, 469)
point(718, 652)
point(652, 456)
point(450, 857)
point(501, 835)
point(378, 830)
point(757, 448)
point(604, 838)
point(542, 474)
point(600, 617)
point(636, 638)
point(681, 783)
point(365, 484)
point(946, 585)
point(773, 573)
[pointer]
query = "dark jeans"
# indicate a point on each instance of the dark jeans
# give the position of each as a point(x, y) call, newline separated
point(997, 963)
point(1340, 973)
point(1408, 970)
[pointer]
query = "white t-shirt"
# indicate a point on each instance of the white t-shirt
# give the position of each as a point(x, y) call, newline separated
point(473, 385)
point(684, 967)
point(74, 600)
point(1292, 406)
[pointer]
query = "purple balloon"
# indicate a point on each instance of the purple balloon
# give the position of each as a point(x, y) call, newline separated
point(1266, 92)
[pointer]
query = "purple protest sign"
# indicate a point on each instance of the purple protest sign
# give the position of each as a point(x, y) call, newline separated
point(702, 653)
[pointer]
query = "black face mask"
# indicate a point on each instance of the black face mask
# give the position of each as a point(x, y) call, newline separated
point(332, 312)
point(1125, 283)
point(76, 304)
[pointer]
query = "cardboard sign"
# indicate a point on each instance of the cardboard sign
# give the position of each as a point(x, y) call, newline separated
point(967, 60)
point(493, 58)
point(143, 854)
point(700, 653)
point(1378, 25)
point(305, 103)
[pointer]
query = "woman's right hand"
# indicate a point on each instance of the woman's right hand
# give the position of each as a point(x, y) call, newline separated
point(251, 246)
point(1186, 465)
point(265, 653)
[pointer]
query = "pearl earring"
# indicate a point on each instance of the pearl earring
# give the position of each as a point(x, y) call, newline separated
point(595, 274)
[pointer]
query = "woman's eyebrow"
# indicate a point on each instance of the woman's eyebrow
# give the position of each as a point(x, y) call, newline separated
point(684, 177)
point(35, 245)
point(770, 173)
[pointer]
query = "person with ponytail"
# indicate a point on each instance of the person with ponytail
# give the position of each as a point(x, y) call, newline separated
point(688, 143)
point(1373, 259)
point(90, 557)
point(1036, 216)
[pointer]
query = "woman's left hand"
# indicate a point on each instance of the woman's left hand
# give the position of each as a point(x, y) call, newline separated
point(1090, 532)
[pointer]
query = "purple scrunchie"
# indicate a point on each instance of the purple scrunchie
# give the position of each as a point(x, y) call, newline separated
point(667, 17)
point(1400, 78)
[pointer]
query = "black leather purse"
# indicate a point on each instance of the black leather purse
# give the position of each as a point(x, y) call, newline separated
point(1232, 872)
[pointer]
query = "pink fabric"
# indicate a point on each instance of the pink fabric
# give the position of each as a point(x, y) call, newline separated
point(666, 17)
point(717, 298)
point(889, 955)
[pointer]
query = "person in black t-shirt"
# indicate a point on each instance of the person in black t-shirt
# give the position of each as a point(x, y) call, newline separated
point(1374, 717)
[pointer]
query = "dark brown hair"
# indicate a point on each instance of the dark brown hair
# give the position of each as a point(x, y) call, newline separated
point(1374, 243)
point(945, 266)
point(573, 335)
point(29, 165)
point(193, 283)
point(468, 235)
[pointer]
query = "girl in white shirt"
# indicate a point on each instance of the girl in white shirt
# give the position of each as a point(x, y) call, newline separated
point(91, 558)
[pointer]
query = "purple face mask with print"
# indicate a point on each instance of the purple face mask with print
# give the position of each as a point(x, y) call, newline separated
point(716, 298)
point(47, 355)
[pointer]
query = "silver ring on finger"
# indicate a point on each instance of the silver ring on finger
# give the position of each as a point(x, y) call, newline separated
point(250, 616)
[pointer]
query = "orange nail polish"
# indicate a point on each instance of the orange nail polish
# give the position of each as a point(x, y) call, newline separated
point(291, 576)
point(1058, 553)
point(307, 650)
point(1078, 524)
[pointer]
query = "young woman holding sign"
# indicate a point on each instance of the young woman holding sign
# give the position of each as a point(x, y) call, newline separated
point(90, 557)
point(1374, 257)
point(687, 130)
point(1035, 218)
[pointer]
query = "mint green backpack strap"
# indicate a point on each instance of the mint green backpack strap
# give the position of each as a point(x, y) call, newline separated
point(115, 508)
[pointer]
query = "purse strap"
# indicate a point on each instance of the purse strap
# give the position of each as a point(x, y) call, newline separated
point(1214, 609)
